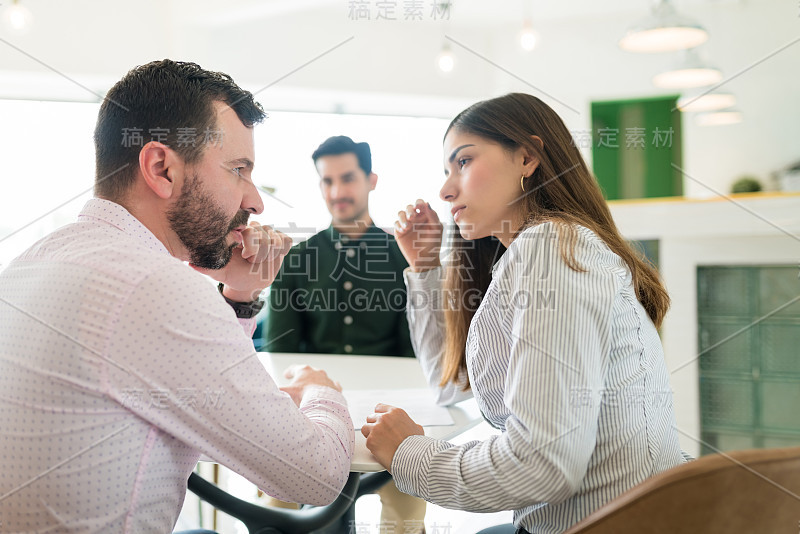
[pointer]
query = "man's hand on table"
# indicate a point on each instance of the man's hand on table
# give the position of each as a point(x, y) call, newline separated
point(303, 376)
point(385, 430)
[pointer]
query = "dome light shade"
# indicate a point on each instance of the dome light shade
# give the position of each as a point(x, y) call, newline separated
point(663, 31)
point(719, 118)
point(690, 72)
point(686, 78)
point(707, 102)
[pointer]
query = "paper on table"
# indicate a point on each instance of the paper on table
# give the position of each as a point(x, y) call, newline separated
point(418, 403)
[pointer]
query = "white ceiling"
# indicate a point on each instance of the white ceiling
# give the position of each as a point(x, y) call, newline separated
point(311, 55)
point(464, 12)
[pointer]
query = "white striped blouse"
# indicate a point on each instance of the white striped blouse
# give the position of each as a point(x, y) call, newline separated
point(568, 366)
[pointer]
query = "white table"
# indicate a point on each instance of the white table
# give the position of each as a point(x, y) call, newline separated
point(373, 372)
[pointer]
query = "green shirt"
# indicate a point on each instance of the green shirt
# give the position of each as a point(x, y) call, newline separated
point(339, 295)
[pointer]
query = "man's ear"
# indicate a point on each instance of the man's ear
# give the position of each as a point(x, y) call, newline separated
point(160, 166)
point(531, 161)
point(373, 181)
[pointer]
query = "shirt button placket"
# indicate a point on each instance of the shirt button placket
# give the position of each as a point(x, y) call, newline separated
point(347, 285)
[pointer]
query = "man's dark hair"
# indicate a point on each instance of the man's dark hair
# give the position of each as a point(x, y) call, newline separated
point(341, 144)
point(167, 101)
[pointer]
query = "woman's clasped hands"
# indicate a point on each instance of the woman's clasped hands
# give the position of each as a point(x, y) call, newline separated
point(385, 430)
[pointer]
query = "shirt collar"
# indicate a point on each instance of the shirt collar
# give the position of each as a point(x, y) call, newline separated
point(118, 217)
point(335, 236)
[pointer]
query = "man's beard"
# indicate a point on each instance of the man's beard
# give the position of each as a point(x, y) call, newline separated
point(360, 213)
point(202, 226)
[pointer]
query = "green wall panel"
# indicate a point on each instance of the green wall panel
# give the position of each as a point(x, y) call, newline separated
point(634, 146)
point(748, 340)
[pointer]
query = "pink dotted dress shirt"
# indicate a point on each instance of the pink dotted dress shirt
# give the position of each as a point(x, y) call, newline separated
point(119, 367)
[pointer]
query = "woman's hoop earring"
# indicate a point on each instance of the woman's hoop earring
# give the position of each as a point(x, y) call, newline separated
point(521, 184)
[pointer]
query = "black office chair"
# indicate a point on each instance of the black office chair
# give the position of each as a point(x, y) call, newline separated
point(335, 517)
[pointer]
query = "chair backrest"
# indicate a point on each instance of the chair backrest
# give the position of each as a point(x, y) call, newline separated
point(741, 491)
point(336, 516)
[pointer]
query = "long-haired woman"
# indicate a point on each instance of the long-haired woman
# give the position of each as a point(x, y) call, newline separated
point(546, 313)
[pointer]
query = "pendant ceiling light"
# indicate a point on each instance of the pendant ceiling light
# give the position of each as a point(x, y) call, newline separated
point(663, 31)
point(17, 18)
point(719, 118)
point(528, 36)
point(446, 60)
point(690, 71)
point(706, 102)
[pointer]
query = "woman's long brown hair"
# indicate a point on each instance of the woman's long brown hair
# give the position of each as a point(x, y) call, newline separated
point(561, 190)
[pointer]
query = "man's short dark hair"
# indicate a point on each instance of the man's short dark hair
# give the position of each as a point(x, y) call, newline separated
point(167, 101)
point(341, 144)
